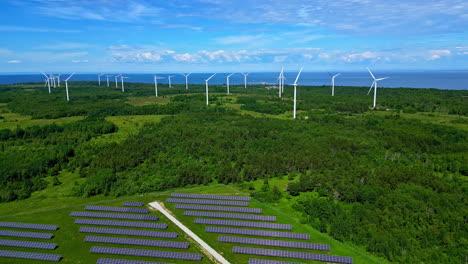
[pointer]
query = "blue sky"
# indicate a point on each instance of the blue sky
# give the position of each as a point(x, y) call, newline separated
point(222, 36)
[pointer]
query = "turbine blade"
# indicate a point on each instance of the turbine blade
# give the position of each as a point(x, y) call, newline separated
point(336, 75)
point(372, 86)
point(371, 73)
point(299, 74)
point(382, 78)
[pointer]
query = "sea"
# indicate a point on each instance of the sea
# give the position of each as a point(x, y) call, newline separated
point(447, 80)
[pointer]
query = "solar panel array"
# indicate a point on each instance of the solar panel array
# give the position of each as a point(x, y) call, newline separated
point(137, 242)
point(124, 261)
point(28, 226)
point(213, 197)
point(252, 232)
point(115, 216)
point(146, 253)
point(242, 224)
point(25, 234)
point(27, 244)
point(212, 202)
point(132, 204)
point(117, 209)
point(273, 243)
point(127, 232)
point(219, 208)
point(268, 261)
point(29, 255)
point(120, 223)
point(232, 216)
point(291, 254)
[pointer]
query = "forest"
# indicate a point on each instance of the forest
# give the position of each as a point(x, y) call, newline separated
point(390, 180)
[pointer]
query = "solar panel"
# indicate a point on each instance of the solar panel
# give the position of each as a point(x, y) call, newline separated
point(127, 232)
point(291, 254)
point(25, 234)
point(28, 226)
point(219, 208)
point(212, 197)
point(132, 204)
point(120, 223)
point(232, 216)
point(252, 232)
point(116, 216)
point(268, 261)
point(273, 243)
point(29, 255)
point(242, 224)
point(137, 242)
point(117, 209)
point(124, 261)
point(146, 253)
point(27, 244)
point(213, 202)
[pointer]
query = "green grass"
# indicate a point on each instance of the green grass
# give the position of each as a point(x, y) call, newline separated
point(141, 101)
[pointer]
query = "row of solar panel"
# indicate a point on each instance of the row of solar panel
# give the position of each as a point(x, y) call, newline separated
point(27, 244)
point(212, 202)
point(25, 234)
point(232, 216)
point(137, 204)
point(273, 243)
point(115, 216)
point(117, 209)
point(146, 253)
point(268, 261)
point(29, 255)
point(137, 242)
point(242, 224)
point(252, 232)
point(219, 208)
point(28, 226)
point(124, 261)
point(212, 197)
point(120, 223)
point(127, 232)
point(291, 254)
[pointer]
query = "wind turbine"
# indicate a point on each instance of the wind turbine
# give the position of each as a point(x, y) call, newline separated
point(186, 79)
point(122, 79)
point(115, 77)
point(206, 82)
point(47, 81)
point(107, 77)
point(281, 82)
point(58, 80)
point(374, 84)
point(295, 92)
point(99, 78)
point(66, 85)
point(333, 82)
point(227, 81)
point(245, 79)
point(169, 77)
point(156, 84)
point(53, 79)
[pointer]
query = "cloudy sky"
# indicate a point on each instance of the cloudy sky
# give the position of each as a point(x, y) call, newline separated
point(238, 35)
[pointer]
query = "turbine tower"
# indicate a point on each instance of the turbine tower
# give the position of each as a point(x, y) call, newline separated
point(99, 78)
point(66, 85)
point(58, 80)
point(53, 79)
point(227, 81)
point(374, 85)
point(186, 79)
point(245, 79)
point(295, 93)
point(47, 81)
point(156, 84)
point(281, 82)
point(115, 77)
point(169, 77)
point(122, 79)
point(107, 77)
point(333, 82)
point(206, 82)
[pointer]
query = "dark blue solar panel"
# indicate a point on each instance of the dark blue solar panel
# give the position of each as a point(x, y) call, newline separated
point(273, 243)
point(28, 226)
point(138, 204)
point(138, 242)
point(120, 223)
point(231, 216)
point(124, 261)
point(268, 261)
point(242, 224)
point(219, 208)
point(127, 232)
point(27, 244)
point(252, 232)
point(115, 216)
point(291, 254)
point(212, 197)
point(146, 253)
point(117, 209)
point(29, 255)
point(212, 202)
point(25, 234)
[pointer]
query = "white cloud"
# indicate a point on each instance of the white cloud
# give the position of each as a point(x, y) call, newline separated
point(245, 39)
point(361, 56)
point(437, 54)
point(14, 61)
point(35, 29)
point(79, 61)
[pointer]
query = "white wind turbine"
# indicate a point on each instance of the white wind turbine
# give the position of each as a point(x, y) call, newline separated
point(227, 81)
point(186, 79)
point(122, 79)
point(206, 82)
point(47, 81)
point(295, 92)
point(107, 78)
point(99, 78)
point(281, 82)
point(333, 82)
point(66, 85)
point(156, 78)
point(245, 79)
point(58, 80)
point(53, 79)
point(374, 85)
point(115, 77)
point(169, 78)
